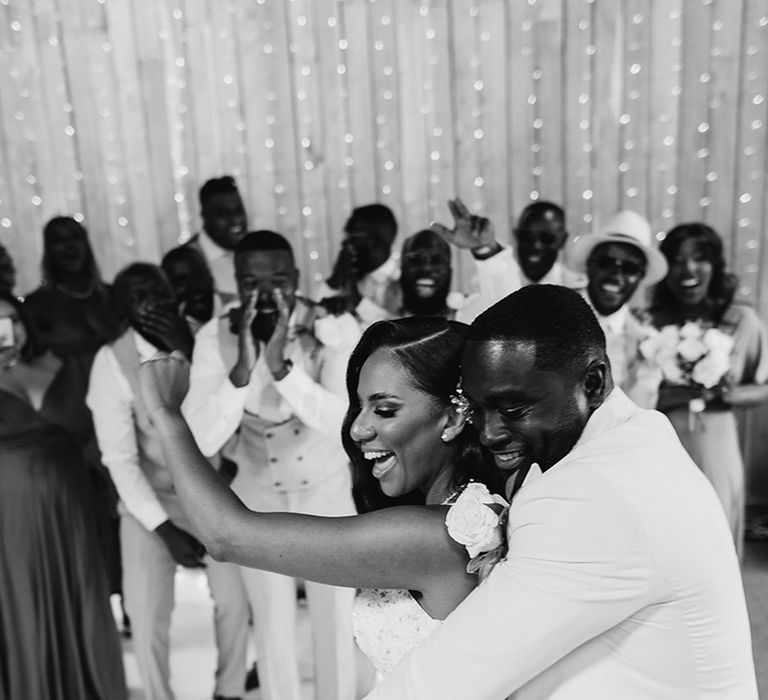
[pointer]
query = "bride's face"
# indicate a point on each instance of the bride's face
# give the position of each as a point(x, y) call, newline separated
point(398, 428)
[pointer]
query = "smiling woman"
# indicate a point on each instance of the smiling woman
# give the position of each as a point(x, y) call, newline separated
point(405, 431)
point(699, 290)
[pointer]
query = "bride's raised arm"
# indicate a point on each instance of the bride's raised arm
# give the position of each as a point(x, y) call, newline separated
point(402, 547)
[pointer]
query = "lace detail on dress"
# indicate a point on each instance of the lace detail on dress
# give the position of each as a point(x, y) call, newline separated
point(388, 623)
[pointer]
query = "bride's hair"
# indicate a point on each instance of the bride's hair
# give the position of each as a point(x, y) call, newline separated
point(429, 350)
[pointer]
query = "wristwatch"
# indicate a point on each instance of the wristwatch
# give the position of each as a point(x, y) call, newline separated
point(482, 252)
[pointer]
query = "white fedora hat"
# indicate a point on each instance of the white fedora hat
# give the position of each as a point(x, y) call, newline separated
point(625, 227)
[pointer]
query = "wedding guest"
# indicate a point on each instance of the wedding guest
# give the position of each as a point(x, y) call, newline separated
point(192, 284)
point(265, 390)
point(619, 261)
point(425, 281)
point(405, 430)
point(155, 531)
point(73, 314)
point(699, 289)
point(56, 623)
point(365, 274)
point(621, 579)
point(71, 309)
point(540, 235)
point(7, 271)
point(224, 224)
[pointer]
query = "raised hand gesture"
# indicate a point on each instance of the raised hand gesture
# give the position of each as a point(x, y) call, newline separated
point(164, 382)
point(469, 231)
point(275, 347)
point(247, 347)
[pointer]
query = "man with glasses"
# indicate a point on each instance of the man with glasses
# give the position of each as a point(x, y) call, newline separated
point(617, 262)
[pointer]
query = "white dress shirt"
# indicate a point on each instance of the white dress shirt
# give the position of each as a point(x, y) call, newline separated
point(621, 582)
point(501, 274)
point(110, 399)
point(221, 263)
point(314, 390)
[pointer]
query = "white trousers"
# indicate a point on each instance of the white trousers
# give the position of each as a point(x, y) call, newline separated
point(148, 590)
point(273, 599)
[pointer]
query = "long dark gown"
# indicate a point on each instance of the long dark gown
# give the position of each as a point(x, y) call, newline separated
point(58, 639)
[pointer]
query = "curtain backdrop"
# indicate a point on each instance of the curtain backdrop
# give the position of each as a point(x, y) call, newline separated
point(115, 111)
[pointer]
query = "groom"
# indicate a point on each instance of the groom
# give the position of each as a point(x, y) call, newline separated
point(621, 579)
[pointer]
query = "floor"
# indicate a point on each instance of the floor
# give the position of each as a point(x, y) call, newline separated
point(193, 651)
point(192, 659)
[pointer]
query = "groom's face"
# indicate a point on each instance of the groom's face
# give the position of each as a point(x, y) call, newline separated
point(523, 414)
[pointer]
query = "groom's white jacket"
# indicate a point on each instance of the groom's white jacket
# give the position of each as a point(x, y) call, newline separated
point(621, 582)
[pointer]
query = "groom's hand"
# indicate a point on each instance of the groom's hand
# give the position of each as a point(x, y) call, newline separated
point(185, 549)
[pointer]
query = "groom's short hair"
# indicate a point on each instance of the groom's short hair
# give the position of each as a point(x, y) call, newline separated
point(554, 319)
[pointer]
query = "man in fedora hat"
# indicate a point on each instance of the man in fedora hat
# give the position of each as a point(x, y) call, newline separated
point(617, 262)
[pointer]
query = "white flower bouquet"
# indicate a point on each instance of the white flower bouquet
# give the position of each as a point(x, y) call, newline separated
point(692, 355)
point(477, 520)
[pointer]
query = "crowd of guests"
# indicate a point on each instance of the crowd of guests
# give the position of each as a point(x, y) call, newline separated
point(88, 502)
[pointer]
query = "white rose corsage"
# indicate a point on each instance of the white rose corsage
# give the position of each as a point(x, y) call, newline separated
point(477, 520)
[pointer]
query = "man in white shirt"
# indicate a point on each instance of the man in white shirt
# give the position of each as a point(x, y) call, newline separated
point(540, 235)
point(224, 224)
point(155, 534)
point(192, 284)
point(621, 579)
point(365, 275)
point(266, 390)
point(618, 262)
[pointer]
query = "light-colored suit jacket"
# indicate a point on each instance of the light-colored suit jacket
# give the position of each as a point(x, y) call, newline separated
point(621, 582)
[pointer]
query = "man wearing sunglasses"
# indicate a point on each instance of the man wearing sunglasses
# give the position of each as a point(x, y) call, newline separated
point(617, 262)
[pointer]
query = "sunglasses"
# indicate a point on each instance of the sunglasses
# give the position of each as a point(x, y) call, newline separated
point(630, 268)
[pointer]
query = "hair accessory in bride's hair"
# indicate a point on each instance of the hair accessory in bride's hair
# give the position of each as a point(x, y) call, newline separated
point(461, 403)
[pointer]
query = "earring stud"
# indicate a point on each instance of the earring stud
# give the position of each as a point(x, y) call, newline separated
point(444, 437)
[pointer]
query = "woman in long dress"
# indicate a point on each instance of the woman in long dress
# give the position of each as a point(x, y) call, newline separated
point(402, 432)
point(698, 289)
point(59, 636)
point(73, 316)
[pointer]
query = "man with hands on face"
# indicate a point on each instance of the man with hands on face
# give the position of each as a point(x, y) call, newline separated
point(155, 533)
point(365, 275)
point(267, 391)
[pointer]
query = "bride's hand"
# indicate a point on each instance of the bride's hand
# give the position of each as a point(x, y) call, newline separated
point(164, 381)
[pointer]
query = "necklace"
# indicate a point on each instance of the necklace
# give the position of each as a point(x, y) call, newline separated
point(76, 295)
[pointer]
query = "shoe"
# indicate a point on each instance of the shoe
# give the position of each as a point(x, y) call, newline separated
point(252, 678)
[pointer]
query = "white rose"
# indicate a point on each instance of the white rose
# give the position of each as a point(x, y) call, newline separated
point(691, 349)
point(672, 372)
point(472, 522)
point(668, 339)
point(690, 330)
point(709, 370)
point(718, 342)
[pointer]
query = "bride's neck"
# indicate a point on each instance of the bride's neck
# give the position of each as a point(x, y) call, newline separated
point(442, 485)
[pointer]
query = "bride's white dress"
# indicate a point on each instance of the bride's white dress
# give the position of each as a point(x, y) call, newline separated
point(388, 623)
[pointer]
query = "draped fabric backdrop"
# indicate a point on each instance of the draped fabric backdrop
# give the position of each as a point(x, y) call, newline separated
point(115, 111)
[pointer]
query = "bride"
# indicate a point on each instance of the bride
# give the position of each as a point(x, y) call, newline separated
point(406, 429)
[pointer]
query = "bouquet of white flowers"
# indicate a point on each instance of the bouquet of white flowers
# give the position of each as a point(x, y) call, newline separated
point(692, 355)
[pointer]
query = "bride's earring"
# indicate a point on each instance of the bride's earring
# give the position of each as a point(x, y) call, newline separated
point(445, 436)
